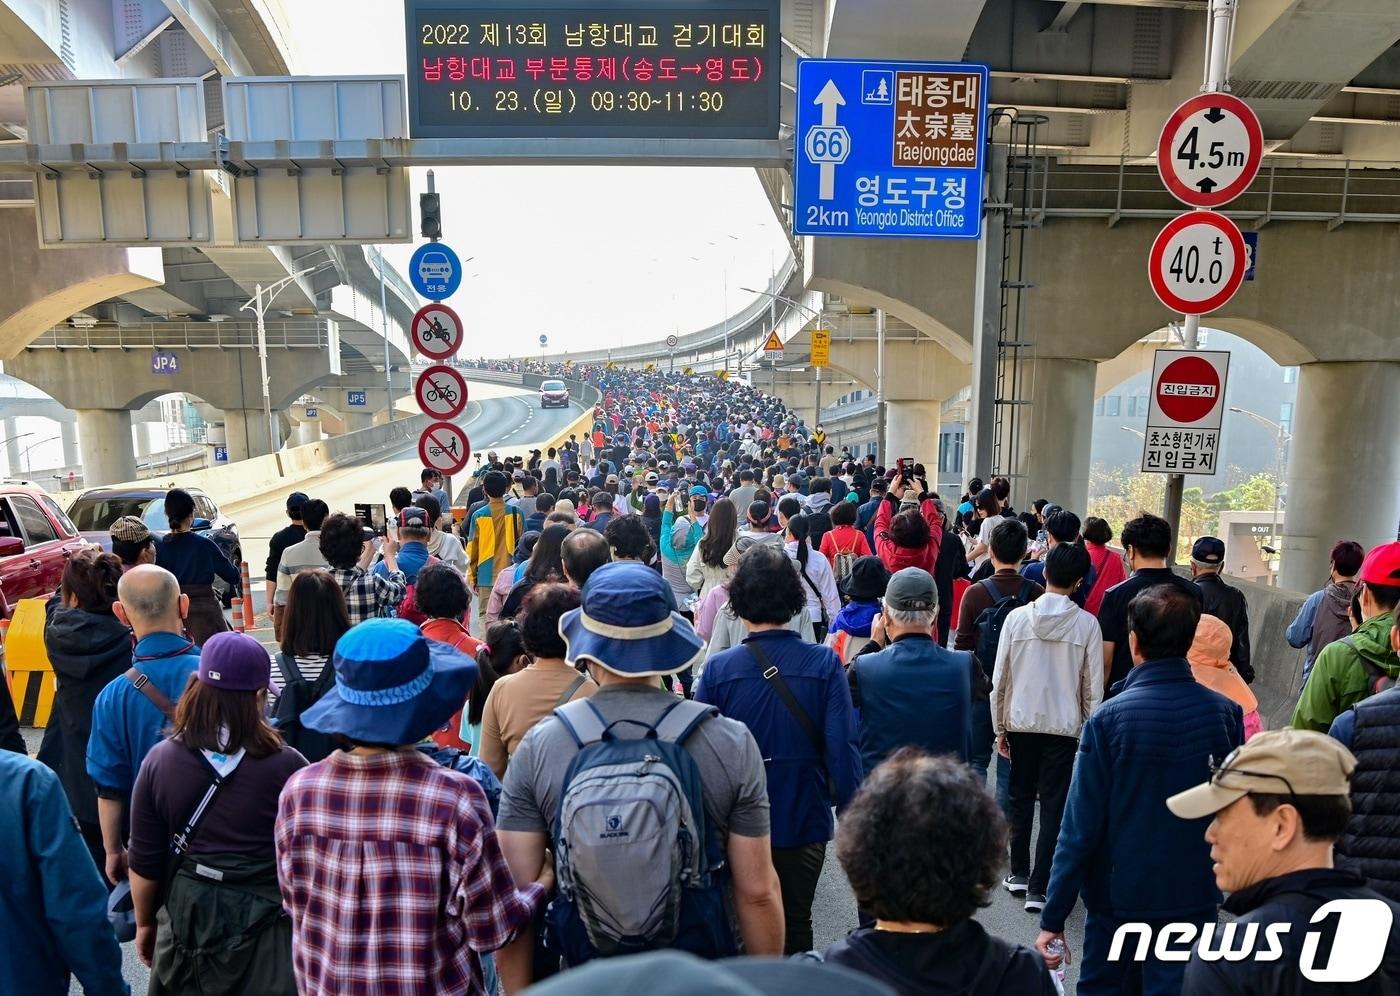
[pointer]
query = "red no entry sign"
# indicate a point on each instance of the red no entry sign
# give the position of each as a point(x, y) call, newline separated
point(1210, 149)
point(1188, 389)
point(1197, 262)
point(444, 447)
point(437, 331)
point(441, 392)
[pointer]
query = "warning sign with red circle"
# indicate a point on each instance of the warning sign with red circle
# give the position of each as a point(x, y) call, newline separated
point(1210, 149)
point(1186, 408)
point(444, 447)
point(436, 331)
point(1197, 262)
point(441, 392)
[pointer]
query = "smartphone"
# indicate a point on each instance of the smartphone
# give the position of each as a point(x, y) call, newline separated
point(372, 517)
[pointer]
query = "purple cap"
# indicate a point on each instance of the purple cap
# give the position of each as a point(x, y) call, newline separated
point(235, 662)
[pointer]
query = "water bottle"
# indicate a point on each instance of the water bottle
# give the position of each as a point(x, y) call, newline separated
point(1057, 975)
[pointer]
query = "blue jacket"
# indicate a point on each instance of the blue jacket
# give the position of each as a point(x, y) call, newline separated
point(855, 618)
point(913, 693)
point(411, 559)
point(1119, 845)
point(53, 907)
point(798, 799)
point(125, 725)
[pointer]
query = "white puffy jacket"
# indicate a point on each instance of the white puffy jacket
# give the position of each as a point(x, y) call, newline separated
point(1049, 668)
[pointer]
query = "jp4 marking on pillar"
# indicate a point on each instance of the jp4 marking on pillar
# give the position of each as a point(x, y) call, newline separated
point(889, 148)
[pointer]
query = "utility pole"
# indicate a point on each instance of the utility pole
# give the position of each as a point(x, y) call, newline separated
point(384, 329)
point(1219, 32)
point(880, 385)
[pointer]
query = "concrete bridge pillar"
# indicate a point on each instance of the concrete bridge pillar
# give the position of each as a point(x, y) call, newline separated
point(246, 433)
point(69, 433)
point(104, 437)
point(1056, 433)
point(1342, 465)
point(356, 420)
point(911, 430)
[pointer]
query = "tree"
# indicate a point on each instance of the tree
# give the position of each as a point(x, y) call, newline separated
point(1119, 494)
point(1253, 495)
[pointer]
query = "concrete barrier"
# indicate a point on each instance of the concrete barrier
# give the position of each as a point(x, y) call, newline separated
point(256, 476)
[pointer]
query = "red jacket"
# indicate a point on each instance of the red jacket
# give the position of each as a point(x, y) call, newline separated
point(1110, 571)
point(896, 557)
point(844, 539)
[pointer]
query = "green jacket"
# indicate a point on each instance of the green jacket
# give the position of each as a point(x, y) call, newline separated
point(1338, 680)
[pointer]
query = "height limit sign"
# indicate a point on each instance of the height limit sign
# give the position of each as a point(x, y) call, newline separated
point(1210, 149)
point(1184, 415)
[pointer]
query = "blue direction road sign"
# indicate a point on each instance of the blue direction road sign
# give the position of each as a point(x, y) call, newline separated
point(435, 271)
point(165, 363)
point(355, 399)
point(221, 454)
point(890, 149)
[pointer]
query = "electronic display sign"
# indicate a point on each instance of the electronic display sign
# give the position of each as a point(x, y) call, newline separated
point(708, 69)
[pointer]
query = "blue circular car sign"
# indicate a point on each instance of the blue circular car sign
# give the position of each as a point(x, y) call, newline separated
point(544, 340)
point(435, 271)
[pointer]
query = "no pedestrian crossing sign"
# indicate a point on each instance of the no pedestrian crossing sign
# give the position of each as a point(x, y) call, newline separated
point(1210, 149)
point(1184, 414)
point(444, 447)
point(1197, 262)
point(441, 392)
point(436, 331)
point(889, 148)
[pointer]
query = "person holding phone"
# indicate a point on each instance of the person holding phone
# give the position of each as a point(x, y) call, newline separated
point(680, 533)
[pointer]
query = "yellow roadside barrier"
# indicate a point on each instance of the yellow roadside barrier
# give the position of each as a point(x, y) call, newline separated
point(32, 684)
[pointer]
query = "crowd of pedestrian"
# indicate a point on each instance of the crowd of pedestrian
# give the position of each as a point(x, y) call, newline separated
point(623, 694)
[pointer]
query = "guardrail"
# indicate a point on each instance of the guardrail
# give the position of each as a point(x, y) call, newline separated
point(308, 334)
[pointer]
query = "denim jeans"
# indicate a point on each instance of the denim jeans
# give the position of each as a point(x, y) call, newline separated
point(983, 747)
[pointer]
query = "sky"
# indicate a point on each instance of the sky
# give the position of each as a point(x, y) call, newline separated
point(590, 256)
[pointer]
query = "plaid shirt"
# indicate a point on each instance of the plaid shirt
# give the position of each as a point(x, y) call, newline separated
point(393, 878)
point(369, 595)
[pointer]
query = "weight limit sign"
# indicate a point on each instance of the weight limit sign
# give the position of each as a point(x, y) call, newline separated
point(1197, 262)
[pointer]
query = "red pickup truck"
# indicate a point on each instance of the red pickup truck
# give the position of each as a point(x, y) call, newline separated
point(36, 540)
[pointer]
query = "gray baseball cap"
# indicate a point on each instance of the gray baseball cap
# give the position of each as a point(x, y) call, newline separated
point(911, 590)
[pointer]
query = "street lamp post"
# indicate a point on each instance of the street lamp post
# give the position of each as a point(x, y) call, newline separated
point(24, 454)
point(258, 304)
point(1281, 438)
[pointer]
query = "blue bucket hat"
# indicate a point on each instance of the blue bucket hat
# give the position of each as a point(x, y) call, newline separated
point(392, 684)
point(626, 624)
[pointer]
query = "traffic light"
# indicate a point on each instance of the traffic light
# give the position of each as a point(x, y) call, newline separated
point(430, 213)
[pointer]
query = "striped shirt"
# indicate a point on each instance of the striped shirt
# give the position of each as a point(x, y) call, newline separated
point(393, 878)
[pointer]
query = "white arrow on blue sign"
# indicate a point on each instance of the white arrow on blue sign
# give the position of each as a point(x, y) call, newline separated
point(889, 149)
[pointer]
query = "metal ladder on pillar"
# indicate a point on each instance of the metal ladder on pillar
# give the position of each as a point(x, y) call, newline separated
point(1027, 173)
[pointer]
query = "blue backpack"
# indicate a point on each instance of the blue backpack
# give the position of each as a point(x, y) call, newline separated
point(639, 867)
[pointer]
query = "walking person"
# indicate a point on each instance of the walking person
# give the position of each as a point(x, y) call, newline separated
point(1107, 564)
point(299, 556)
point(131, 714)
point(389, 862)
point(1048, 679)
point(680, 534)
point(1323, 619)
point(711, 561)
point(204, 887)
point(313, 619)
point(293, 532)
point(818, 582)
point(1221, 600)
point(88, 647)
point(1153, 739)
point(196, 561)
point(793, 697)
point(627, 635)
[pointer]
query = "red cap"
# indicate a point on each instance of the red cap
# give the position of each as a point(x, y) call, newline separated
point(1382, 565)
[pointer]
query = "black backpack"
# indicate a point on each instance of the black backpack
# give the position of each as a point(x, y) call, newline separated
point(297, 696)
point(993, 617)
